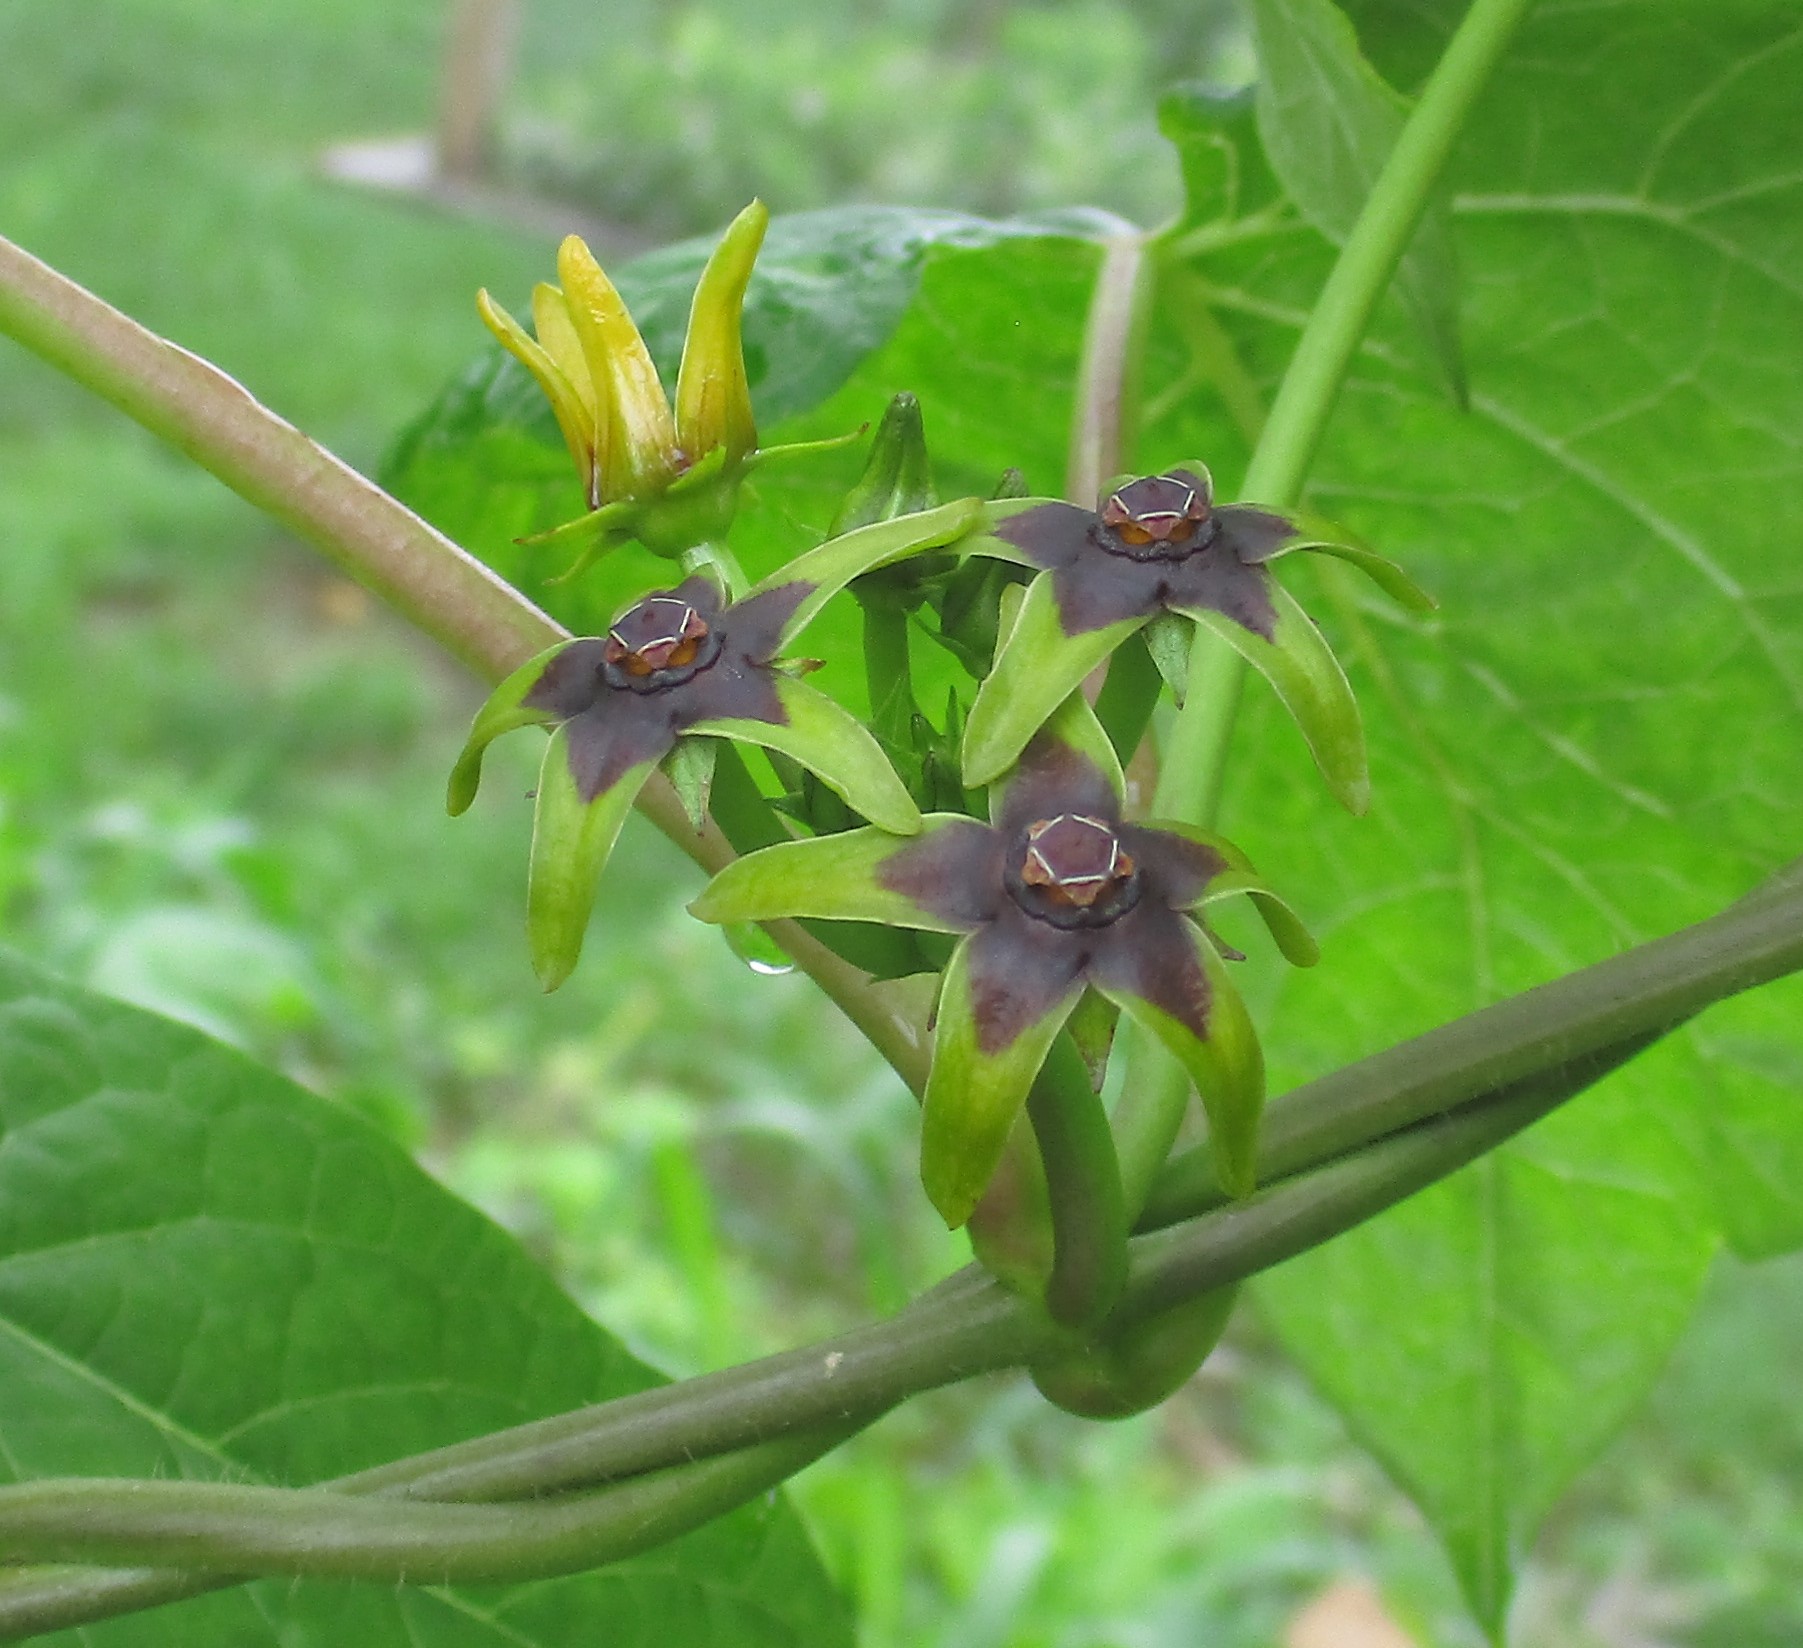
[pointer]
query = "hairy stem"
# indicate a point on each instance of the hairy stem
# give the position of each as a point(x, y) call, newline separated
point(447, 593)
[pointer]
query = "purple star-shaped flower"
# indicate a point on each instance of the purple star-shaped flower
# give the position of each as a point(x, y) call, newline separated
point(1159, 545)
point(1058, 894)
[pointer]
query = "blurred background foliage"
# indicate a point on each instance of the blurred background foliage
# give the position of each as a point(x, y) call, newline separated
point(221, 769)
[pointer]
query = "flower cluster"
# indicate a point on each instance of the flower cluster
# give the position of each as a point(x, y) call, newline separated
point(1046, 898)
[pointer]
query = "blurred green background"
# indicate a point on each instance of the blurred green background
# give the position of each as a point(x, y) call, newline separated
point(221, 771)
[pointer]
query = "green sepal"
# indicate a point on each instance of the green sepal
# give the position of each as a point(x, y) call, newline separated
point(1293, 939)
point(690, 768)
point(833, 565)
point(1136, 1368)
point(802, 449)
point(973, 1097)
point(1168, 642)
point(1091, 1026)
point(1227, 1066)
point(831, 877)
point(611, 524)
point(571, 840)
point(1037, 668)
point(1301, 666)
point(504, 711)
point(831, 743)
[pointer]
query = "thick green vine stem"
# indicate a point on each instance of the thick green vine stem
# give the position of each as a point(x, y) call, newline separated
point(1502, 1068)
point(806, 1396)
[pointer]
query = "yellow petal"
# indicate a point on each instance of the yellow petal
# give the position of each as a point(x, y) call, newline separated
point(574, 418)
point(638, 435)
point(557, 336)
point(713, 400)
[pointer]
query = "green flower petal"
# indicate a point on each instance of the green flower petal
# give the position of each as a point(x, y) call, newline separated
point(1228, 1067)
point(571, 839)
point(972, 1097)
point(1382, 571)
point(1292, 938)
point(1325, 537)
point(1037, 668)
point(1309, 680)
point(502, 713)
point(836, 562)
point(832, 743)
point(832, 877)
point(984, 541)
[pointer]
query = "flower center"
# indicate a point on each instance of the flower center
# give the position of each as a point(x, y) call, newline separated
point(1072, 871)
point(660, 643)
point(1156, 518)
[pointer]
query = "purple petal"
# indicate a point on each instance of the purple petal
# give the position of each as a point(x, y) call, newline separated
point(754, 626)
point(1020, 969)
point(1053, 535)
point(953, 872)
point(616, 735)
point(736, 688)
point(1102, 589)
point(1252, 534)
point(1175, 869)
point(1218, 579)
point(571, 682)
point(1053, 778)
point(1151, 953)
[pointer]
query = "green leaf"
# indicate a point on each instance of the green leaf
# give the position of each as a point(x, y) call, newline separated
point(1595, 742)
point(1462, 1332)
point(208, 1273)
point(1329, 121)
point(832, 877)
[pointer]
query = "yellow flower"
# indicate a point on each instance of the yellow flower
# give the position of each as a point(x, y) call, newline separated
point(628, 444)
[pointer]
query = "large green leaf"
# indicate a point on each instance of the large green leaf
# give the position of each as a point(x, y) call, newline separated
point(206, 1272)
